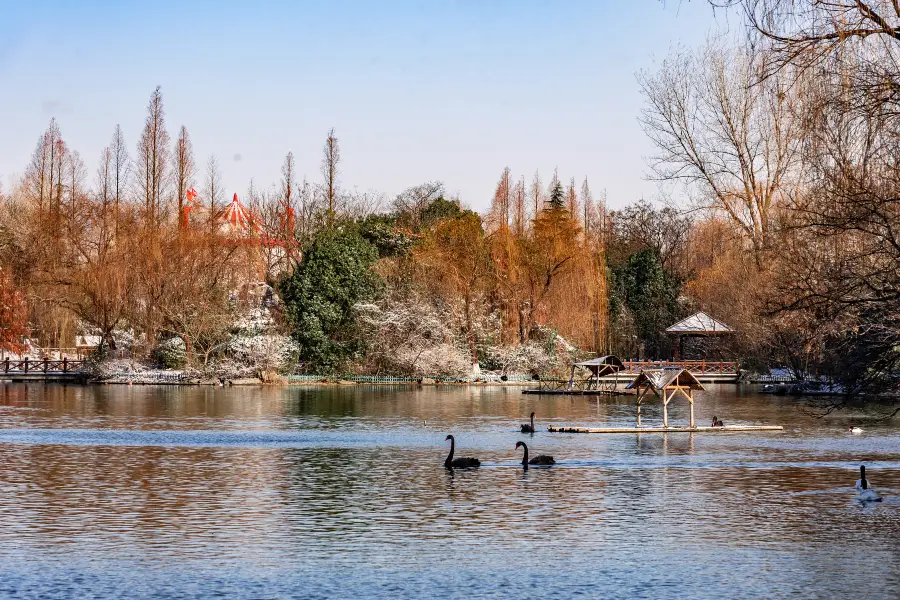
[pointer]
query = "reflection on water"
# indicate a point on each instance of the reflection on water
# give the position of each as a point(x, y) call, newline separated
point(340, 492)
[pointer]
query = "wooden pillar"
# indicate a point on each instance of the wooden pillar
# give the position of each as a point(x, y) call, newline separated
point(691, 400)
point(665, 408)
point(640, 397)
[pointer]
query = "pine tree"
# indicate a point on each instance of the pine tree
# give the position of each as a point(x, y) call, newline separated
point(557, 199)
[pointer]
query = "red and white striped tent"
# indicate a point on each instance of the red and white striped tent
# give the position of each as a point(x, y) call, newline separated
point(237, 219)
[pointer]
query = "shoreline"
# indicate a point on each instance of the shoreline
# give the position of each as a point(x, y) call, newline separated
point(326, 383)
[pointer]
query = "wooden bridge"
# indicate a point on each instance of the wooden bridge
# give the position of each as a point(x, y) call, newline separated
point(27, 369)
point(707, 371)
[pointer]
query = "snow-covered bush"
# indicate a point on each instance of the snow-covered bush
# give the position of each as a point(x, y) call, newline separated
point(264, 352)
point(525, 359)
point(412, 337)
point(254, 322)
point(171, 353)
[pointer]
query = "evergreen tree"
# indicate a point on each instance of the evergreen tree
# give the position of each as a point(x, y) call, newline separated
point(319, 297)
point(557, 199)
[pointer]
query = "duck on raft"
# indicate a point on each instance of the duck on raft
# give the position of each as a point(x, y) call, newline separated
point(543, 460)
point(458, 463)
point(526, 428)
point(866, 494)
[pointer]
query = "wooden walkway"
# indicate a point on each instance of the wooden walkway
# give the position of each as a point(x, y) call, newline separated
point(548, 392)
point(41, 370)
point(725, 429)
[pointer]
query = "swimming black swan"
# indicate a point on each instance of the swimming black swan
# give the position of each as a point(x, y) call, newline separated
point(459, 463)
point(542, 459)
point(526, 428)
point(866, 494)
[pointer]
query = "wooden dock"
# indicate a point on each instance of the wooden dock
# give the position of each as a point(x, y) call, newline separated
point(725, 429)
point(42, 370)
point(574, 392)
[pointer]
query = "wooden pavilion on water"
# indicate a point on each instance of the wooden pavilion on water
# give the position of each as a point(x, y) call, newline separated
point(698, 325)
point(600, 379)
point(671, 381)
point(666, 383)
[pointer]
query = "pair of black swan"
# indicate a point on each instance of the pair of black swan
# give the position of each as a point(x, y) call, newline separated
point(468, 463)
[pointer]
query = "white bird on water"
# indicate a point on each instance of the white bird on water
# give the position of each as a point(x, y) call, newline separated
point(855, 430)
point(866, 494)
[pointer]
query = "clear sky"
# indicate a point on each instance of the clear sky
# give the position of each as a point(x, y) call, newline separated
point(451, 90)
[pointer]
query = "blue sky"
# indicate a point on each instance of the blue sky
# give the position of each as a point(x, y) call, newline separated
point(416, 90)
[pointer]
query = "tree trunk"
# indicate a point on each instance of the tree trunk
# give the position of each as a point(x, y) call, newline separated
point(523, 324)
point(470, 333)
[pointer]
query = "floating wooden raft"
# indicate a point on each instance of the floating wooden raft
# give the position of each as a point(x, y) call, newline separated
point(724, 429)
point(580, 392)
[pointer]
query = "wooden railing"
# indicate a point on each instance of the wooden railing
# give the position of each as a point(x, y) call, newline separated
point(27, 366)
point(697, 367)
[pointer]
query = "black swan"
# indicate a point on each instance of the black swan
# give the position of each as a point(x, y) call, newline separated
point(866, 494)
point(526, 428)
point(542, 459)
point(458, 463)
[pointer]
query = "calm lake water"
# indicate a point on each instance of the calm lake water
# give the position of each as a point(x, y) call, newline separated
point(168, 492)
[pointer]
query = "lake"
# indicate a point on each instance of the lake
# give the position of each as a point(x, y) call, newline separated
point(340, 492)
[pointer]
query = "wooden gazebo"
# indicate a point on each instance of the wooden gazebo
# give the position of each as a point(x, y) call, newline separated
point(598, 367)
point(671, 381)
point(697, 325)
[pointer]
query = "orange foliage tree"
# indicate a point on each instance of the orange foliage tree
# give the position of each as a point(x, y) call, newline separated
point(13, 316)
point(455, 261)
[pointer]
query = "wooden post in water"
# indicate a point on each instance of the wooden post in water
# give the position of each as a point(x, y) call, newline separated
point(665, 408)
point(691, 400)
point(640, 397)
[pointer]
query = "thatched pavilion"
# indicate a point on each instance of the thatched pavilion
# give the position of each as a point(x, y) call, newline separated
point(598, 368)
point(671, 381)
point(698, 325)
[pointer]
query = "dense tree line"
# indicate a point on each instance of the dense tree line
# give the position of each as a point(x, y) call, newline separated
point(777, 155)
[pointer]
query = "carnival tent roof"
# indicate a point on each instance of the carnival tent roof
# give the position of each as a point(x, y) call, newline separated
point(667, 377)
point(699, 324)
point(237, 218)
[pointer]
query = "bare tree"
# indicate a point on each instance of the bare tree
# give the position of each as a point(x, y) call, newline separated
point(725, 133)
point(119, 169)
point(212, 190)
point(572, 201)
point(587, 204)
point(501, 202)
point(75, 176)
point(331, 158)
point(537, 194)
point(806, 32)
point(152, 172)
point(410, 203)
point(184, 168)
point(519, 209)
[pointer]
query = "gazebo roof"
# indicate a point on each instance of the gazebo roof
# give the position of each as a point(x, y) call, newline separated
point(667, 377)
point(699, 324)
point(601, 365)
